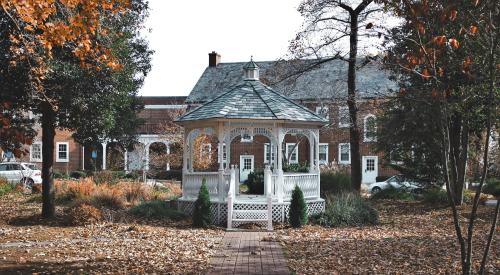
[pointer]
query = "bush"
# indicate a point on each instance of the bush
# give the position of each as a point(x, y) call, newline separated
point(134, 175)
point(346, 209)
point(83, 213)
point(334, 183)
point(135, 191)
point(298, 208)
point(103, 177)
point(78, 174)
point(157, 209)
point(108, 198)
point(59, 175)
point(435, 196)
point(202, 215)
point(119, 175)
point(392, 193)
point(255, 182)
point(169, 175)
point(492, 187)
point(296, 167)
point(5, 187)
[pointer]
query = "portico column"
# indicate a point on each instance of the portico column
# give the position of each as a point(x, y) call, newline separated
point(125, 159)
point(104, 145)
point(168, 153)
point(146, 160)
point(317, 161)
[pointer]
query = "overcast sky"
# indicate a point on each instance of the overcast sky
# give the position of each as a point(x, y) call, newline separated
point(184, 32)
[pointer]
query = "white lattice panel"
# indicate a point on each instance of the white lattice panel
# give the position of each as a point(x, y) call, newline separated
point(308, 183)
point(250, 214)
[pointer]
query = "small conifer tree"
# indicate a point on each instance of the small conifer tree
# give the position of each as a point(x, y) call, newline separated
point(202, 215)
point(298, 208)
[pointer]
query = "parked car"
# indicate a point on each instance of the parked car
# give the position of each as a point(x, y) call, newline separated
point(397, 181)
point(16, 172)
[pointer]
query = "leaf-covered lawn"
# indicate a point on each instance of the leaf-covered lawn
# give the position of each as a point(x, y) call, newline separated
point(29, 244)
point(412, 238)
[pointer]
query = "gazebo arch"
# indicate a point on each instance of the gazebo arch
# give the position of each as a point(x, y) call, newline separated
point(247, 110)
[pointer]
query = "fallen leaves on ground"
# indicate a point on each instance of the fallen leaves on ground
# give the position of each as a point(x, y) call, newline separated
point(412, 238)
point(32, 245)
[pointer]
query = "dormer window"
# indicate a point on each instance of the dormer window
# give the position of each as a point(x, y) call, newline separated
point(251, 70)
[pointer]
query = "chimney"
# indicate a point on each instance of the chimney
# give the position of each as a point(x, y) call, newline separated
point(213, 59)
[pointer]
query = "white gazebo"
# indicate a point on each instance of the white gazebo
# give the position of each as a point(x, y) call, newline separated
point(247, 110)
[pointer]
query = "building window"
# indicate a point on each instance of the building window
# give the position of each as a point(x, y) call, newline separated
point(224, 154)
point(344, 119)
point(268, 154)
point(323, 153)
point(292, 156)
point(323, 111)
point(247, 164)
point(344, 153)
point(62, 152)
point(36, 152)
point(370, 128)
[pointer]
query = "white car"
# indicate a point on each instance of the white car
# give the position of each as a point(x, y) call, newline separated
point(399, 182)
point(16, 172)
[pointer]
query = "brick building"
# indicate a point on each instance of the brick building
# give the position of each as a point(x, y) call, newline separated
point(322, 88)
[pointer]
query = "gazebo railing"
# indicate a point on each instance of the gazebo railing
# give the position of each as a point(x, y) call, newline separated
point(308, 183)
point(192, 183)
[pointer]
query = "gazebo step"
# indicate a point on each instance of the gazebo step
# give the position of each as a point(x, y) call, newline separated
point(249, 215)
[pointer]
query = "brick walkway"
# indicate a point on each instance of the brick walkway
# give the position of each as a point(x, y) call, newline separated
point(249, 253)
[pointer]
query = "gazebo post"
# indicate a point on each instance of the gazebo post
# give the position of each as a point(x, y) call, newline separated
point(316, 141)
point(184, 160)
point(220, 152)
point(280, 183)
point(311, 153)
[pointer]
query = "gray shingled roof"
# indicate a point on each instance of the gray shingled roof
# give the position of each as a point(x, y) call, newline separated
point(251, 99)
point(325, 81)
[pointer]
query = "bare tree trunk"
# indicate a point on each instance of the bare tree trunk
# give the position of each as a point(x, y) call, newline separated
point(490, 238)
point(351, 103)
point(48, 134)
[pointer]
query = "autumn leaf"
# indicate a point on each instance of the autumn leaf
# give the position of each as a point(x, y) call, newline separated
point(453, 15)
point(439, 40)
point(425, 73)
point(473, 29)
point(454, 43)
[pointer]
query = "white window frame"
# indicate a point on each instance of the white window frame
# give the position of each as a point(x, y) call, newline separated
point(224, 154)
point(342, 110)
point(58, 159)
point(365, 128)
point(323, 111)
point(326, 160)
point(267, 146)
point(292, 160)
point(340, 154)
point(32, 158)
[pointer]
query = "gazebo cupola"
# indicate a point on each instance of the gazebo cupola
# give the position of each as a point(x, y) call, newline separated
point(251, 70)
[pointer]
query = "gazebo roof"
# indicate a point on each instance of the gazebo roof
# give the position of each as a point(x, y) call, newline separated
point(251, 99)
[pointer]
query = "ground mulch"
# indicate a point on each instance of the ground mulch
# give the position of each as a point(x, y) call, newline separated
point(412, 238)
point(29, 244)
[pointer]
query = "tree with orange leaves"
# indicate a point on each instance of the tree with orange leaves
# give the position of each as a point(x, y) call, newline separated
point(75, 64)
point(446, 54)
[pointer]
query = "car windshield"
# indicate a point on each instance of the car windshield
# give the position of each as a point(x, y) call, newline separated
point(30, 166)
